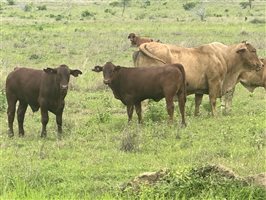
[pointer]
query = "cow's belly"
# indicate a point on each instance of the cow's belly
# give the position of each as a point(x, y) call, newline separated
point(197, 84)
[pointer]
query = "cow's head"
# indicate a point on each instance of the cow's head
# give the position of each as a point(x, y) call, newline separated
point(62, 75)
point(132, 38)
point(249, 56)
point(109, 72)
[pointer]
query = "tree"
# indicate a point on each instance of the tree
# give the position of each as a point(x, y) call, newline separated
point(125, 3)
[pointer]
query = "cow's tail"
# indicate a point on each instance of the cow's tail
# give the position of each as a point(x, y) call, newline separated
point(184, 87)
point(146, 52)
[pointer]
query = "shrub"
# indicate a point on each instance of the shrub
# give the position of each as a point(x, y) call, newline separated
point(189, 5)
point(10, 2)
point(43, 7)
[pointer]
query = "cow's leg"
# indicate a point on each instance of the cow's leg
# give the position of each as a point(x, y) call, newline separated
point(198, 100)
point(170, 107)
point(59, 124)
point(130, 112)
point(11, 109)
point(181, 104)
point(214, 92)
point(20, 116)
point(45, 119)
point(226, 101)
point(138, 111)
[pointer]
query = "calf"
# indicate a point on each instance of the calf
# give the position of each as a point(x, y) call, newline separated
point(137, 41)
point(133, 85)
point(45, 89)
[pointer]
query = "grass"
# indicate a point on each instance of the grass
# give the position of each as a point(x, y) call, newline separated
point(90, 161)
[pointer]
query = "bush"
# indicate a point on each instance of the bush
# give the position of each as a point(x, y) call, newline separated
point(43, 7)
point(189, 5)
point(87, 13)
point(10, 2)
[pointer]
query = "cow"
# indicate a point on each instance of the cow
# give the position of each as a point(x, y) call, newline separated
point(45, 89)
point(137, 40)
point(250, 80)
point(133, 85)
point(210, 69)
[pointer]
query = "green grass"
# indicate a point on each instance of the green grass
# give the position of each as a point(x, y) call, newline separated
point(88, 162)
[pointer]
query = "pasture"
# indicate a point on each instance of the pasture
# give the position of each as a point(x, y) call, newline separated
point(99, 150)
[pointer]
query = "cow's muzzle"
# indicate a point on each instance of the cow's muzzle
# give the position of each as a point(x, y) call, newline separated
point(63, 87)
point(106, 81)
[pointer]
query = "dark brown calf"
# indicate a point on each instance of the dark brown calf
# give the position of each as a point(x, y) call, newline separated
point(133, 85)
point(137, 41)
point(45, 89)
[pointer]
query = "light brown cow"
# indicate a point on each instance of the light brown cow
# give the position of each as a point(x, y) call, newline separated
point(137, 40)
point(250, 80)
point(210, 69)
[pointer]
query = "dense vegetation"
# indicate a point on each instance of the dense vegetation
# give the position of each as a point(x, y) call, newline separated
point(99, 150)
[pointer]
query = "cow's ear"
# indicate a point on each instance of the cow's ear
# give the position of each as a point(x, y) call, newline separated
point(117, 68)
point(49, 70)
point(97, 69)
point(75, 72)
point(241, 50)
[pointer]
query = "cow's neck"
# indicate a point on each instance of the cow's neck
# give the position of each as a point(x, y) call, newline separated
point(116, 86)
point(234, 69)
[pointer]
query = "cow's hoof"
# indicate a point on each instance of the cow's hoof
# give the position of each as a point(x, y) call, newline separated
point(10, 134)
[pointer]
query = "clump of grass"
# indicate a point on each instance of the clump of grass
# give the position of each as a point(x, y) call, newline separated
point(28, 8)
point(87, 14)
point(194, 184)
point(10, 2)
point(155, 112)
point(109, 11)
point(42, 7)
point(34, 57)
point(129, 140)
point(257, 21)
point(189, 5)
point(2, 101)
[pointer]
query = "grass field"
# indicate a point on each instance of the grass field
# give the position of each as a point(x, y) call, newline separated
point(90, 161)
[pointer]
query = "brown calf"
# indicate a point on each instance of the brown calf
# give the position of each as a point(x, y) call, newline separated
point(137, 40)
point(45, 89)
point(133, 85)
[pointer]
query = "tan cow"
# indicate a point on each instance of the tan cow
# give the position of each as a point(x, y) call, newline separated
point(210, 69)
point(250, 80)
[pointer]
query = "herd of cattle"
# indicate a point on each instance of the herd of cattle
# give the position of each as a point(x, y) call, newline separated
point(161, 71)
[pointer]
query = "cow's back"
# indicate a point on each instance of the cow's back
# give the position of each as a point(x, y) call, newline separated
point(24, 84)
